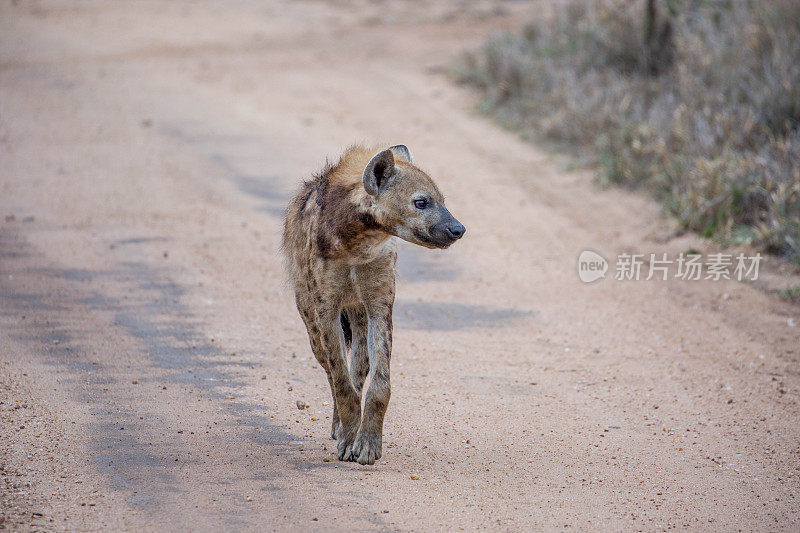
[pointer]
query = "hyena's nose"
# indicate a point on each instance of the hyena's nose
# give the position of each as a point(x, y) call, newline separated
point(457, 230)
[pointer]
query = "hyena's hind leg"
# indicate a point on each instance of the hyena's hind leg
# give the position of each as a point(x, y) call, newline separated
point(308, 315)
point(359, 352)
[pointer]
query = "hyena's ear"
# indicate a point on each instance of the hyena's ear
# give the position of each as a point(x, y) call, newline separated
point(378, 171)
point(401, 151)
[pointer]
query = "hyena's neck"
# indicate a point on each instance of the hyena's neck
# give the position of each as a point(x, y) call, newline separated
point(348, 222)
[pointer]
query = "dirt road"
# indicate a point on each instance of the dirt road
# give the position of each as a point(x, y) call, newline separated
point(152, 359)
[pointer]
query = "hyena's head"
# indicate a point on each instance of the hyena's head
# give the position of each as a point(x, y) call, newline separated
point(407, 202)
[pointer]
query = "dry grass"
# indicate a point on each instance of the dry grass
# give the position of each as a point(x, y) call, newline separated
point(707, 116)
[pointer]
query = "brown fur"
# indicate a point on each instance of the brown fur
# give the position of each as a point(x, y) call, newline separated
point(340, 259)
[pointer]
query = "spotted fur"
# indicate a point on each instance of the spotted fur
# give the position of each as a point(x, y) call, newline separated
point(340, 258)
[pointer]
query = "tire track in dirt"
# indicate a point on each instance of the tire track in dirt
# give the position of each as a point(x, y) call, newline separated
point(133, 443)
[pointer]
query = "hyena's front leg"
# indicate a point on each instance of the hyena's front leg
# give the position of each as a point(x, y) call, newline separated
point(348, 403)
point(367, 447)
point(375, 287)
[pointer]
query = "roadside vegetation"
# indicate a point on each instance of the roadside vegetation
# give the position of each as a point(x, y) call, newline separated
point(696, 100)
point(790, 294)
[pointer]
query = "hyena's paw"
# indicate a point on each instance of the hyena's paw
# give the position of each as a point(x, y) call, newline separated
point(346, 437)
point(367, 448)
point(350, 419)
point(344, 446)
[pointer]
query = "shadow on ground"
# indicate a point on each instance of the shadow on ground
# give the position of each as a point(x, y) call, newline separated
point(55, 313)
point(446, 316)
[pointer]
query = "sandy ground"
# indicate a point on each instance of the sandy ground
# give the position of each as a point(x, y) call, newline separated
point(151, 358)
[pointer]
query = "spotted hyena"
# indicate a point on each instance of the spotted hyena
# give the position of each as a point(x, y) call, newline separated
point(340, 257)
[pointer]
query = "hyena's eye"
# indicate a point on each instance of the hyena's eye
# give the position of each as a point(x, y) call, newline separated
point(422, 203)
